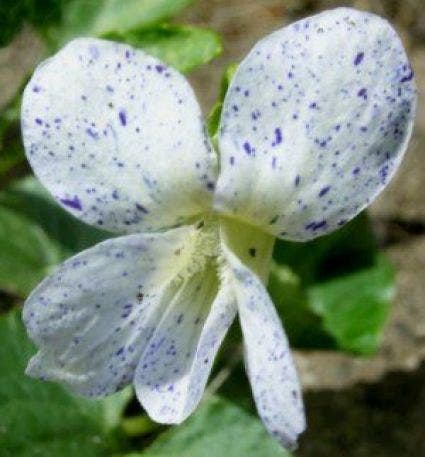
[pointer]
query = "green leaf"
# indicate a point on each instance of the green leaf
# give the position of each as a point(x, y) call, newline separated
point(103, 17)
point(42, 419)
point(36, 234)
point(349, 249)
point(213, 121)
point(13, 14)
point(335, 291)
point(27, 254)
point(28, 198)
point(302, 325)
point(217, 428)
point(11, 148)
point(183, 47)
point(355, 307)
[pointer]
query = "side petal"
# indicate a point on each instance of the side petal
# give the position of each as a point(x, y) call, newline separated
point(172, 374)
point(315, 123)
point(117, 137)
point(93, 318)
point(269, 363)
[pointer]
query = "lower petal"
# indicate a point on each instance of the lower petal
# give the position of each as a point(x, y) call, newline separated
point(174, 369)
point(93, 318)
point(269, 363)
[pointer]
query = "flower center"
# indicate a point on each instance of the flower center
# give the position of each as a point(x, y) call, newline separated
point(202, 247)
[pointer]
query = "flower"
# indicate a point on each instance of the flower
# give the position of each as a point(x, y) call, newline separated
point(315, 122)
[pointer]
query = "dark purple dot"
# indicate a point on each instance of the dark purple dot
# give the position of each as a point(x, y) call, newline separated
point(248, 148)
point(315, 225)
point(74, 203)
point(278, 136)
point(141, 208)
point(123, 117)
point(362, 93)
point(408, 77)
point(324, 191)
point(359, 58)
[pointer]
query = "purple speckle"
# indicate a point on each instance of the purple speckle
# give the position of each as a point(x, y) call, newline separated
point(315, 225)
point(159, 68)
point(359, 58)
point(255, 115)
point(408, 77)
point(141, 208)
point(36, 89)
point(356, 171)
point(297, 180)
point(90, 132)
point(278, 136)
point(362, 93)
point(73, 203)
point(248, 148)
point(123, 117)
point(38, 121)
point(324, 191)
point(232, 160)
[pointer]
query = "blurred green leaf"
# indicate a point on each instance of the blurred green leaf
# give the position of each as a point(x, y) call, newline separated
point(27, 253)
point(334, 291)
point(355, 307)
point(215, 114)
point(13, 14)
point(351, 248)
point(103, 17)
point(302, 325)
point(27, 197)
point(216, 428)
point(41, 419)
point(11, 149)
point(36, 234)
point(183, 47)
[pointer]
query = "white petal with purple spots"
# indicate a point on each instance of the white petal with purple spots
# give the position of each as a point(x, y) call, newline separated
point(92, 319)
point(315, 123)
point(269, 363)
point(174, 369)
point(117, 137)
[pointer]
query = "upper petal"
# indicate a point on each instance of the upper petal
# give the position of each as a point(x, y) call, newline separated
point(315, 123)
point(117, 137)
point(174, 369)
point(92, 318)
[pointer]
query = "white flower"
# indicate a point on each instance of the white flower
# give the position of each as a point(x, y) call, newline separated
point(314, 124)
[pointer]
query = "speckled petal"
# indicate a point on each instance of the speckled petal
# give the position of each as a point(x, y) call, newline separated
point(92, 319)
point(172, 374)
point(315, 123)
point(117, 137)
point(269, 363)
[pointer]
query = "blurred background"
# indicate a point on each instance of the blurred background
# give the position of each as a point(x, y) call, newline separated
point(352, 302)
